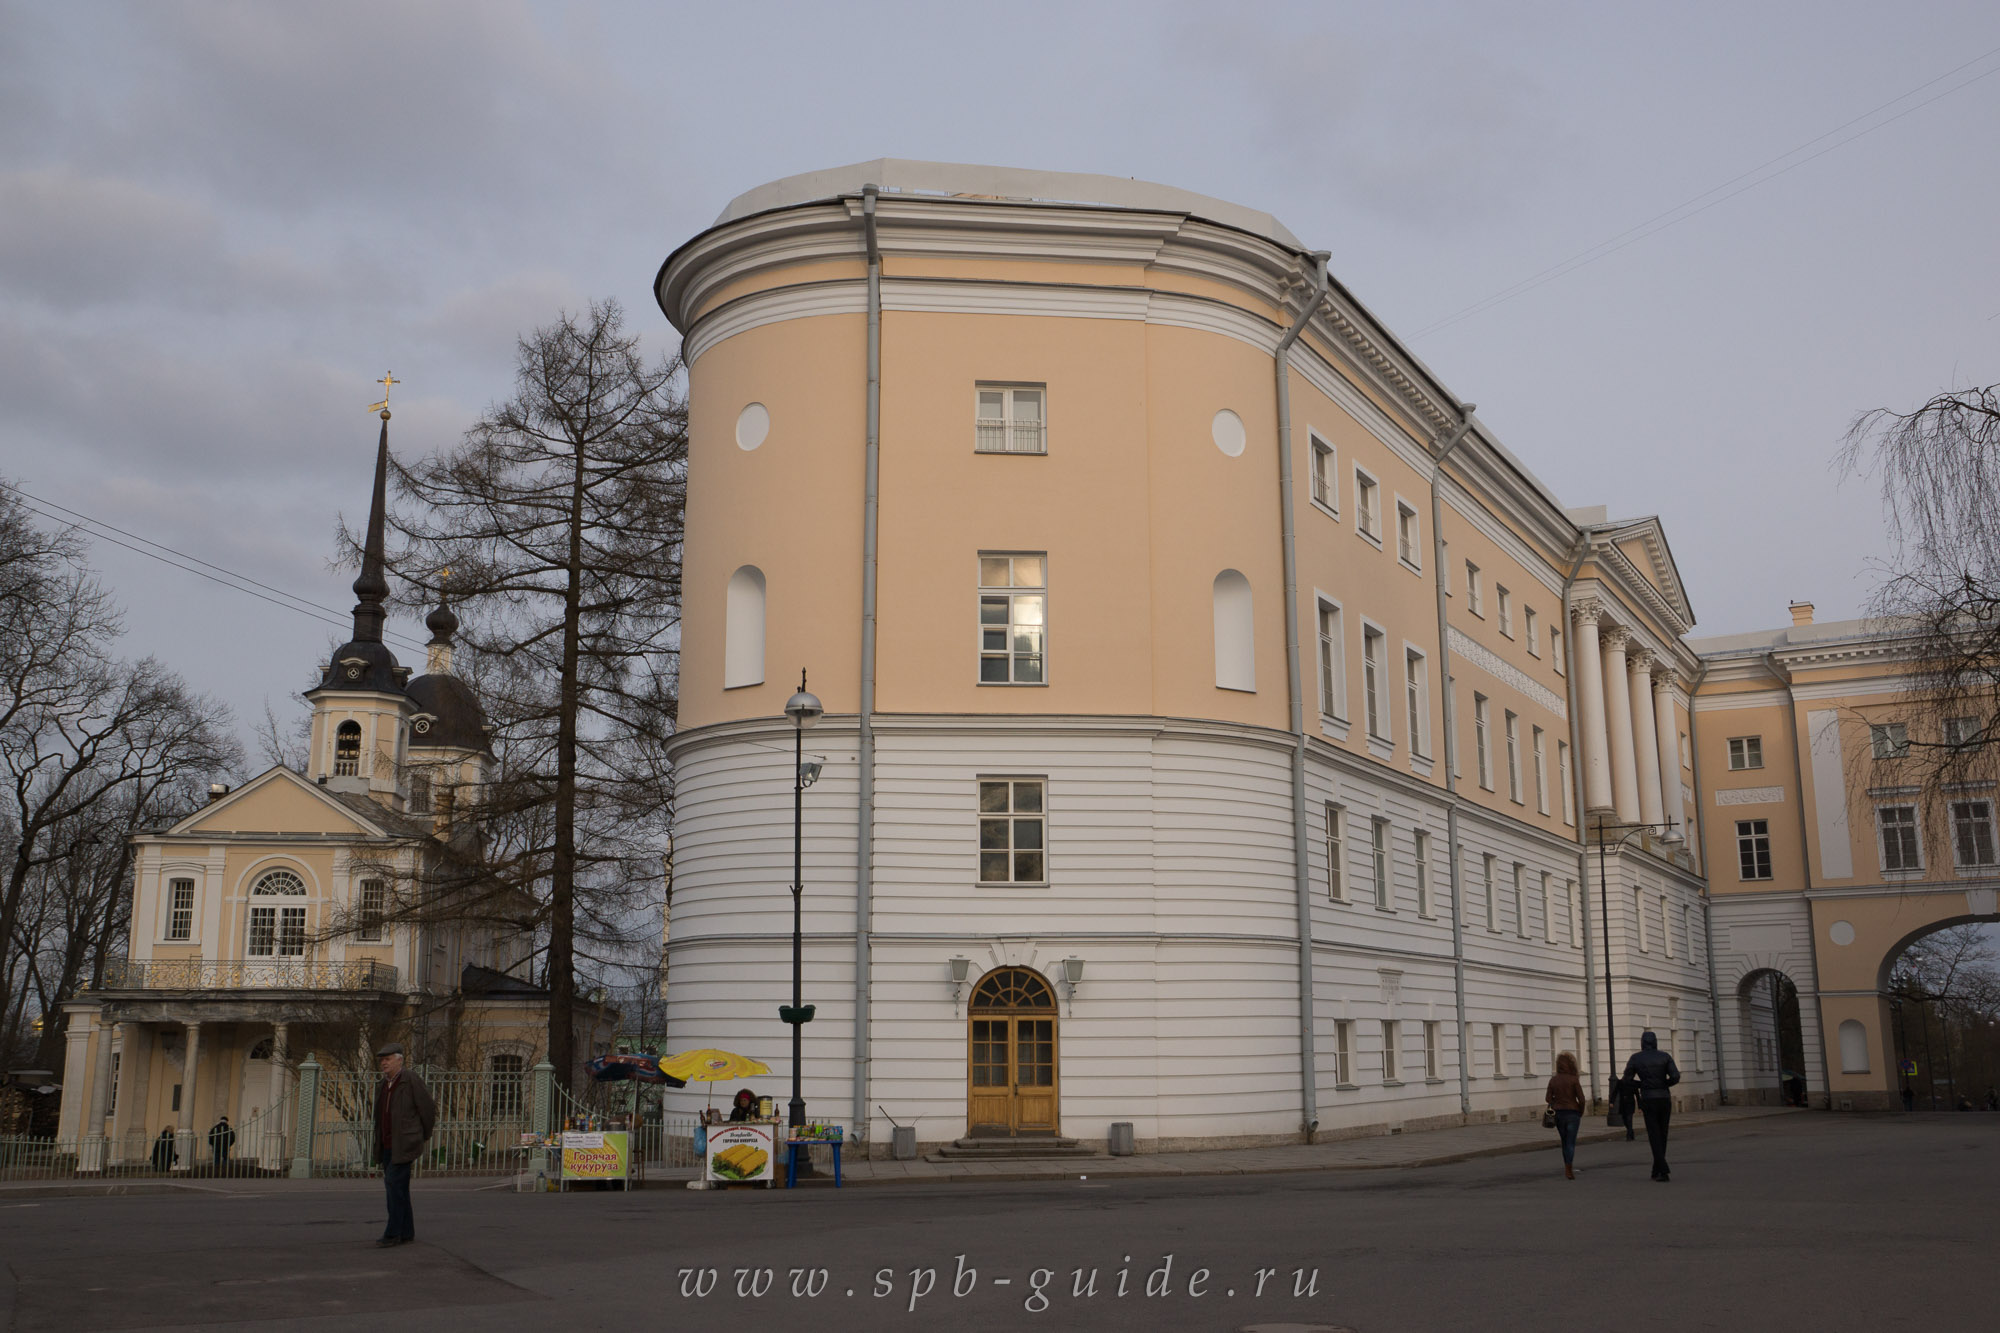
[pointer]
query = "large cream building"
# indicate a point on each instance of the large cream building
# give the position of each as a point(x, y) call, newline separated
point(1218, 715)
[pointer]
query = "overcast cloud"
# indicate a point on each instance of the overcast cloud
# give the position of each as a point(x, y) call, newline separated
point(219, 223)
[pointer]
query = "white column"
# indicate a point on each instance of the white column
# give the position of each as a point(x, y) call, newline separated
point(271, 1150)
point(1668, 728)
point(1618, 722)
point(1645, 735)
point(191, 1060)
point(1589, 669)
point(90, 1151)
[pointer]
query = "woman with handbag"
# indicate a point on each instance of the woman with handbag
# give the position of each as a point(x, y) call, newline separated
point(1565, 1109)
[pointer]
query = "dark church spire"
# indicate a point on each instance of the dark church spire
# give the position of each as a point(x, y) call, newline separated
point(372, 585)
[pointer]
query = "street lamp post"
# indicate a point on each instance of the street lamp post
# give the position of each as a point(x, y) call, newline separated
point(804, 710)
point(1604, 930)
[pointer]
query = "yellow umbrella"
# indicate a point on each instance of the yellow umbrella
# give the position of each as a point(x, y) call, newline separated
point(712, 1066)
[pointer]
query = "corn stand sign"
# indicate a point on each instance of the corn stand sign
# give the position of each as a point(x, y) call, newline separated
point(741, 1153)
point(599, 1155)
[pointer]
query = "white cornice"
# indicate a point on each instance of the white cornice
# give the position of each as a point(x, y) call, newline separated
point(1716, 703)
point(1467, 507)
point(1848, 689)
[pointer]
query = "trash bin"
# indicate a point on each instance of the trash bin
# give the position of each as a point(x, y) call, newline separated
point(1121, 1139)
point(903, 1143)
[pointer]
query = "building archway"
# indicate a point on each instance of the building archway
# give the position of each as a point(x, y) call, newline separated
point(1941, 1028)
point(1011, 1083)
point(1773, 1058)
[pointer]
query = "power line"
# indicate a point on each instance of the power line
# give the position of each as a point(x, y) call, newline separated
point(1743, 181)
point(242, 583)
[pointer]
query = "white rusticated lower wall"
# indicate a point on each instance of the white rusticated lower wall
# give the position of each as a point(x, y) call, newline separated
point(1755, 937)
point(1170, 867)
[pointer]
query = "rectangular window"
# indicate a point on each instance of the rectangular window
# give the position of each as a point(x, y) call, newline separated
point(1687, 929)
point(1343, 1052)
point(1433, 1060)
point(1378, 838)
point(180, 909)
point(1423, 841)
point(1336, 853)
point(1416, 699)
point(1513, 728)
point(1556, 648)
point(1391, 1038)
point(372, 908)
point(1406, 536)
point(1013, 619)
point(1666, 929)
point(1499, 1051)
point(1573, 903)
point(1373, 700)
point(1444, 566)
point(1566, 782)
point(1332, 663)
point(291, 932)
point(1639, 918)
point(1013, 827)
point(1488, 864)
point(1963, 733)
point(111, 1093)
point(1506, 609)
point(1367, 506)
point(1520, 903)
point(1531, 630)
point(1481, 753)
point(1528, 1049)
point(1889, 740)
point(1541, 757)
point(1475, 593)
point(1322, 474)
point(1753, 849)
point(1548, 916)
point(1900, 849)
point(263, 932)
point(1972, 832)
point(1010, 420)
point(1746, 752)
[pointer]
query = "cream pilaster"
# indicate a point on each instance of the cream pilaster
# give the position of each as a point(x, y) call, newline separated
point(1618, 722)
point(192, 1059)
point(1667, 726)
point(1645, 735)
point(1590, 698)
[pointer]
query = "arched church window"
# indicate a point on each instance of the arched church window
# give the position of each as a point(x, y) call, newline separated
point(347, 749)
point(277, 932)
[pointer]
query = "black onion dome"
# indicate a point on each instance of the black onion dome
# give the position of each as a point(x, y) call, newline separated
point(447, 715)
point(442, 624)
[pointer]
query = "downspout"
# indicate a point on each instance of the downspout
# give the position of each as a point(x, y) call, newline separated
point(865, 831)
point(1707, 898)
point(1805, 876)
point(1302, 875)
point(1576, 796)
point(1450, 717)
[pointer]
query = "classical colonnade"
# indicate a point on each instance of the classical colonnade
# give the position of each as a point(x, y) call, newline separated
point(1629, 735)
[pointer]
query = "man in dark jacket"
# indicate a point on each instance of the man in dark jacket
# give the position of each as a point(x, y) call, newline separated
point(221, 1138)
point(1655, 1073)
point(404, 1116)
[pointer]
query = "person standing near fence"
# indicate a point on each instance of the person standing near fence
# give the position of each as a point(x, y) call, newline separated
point(404, 1117)
point(221, 1138)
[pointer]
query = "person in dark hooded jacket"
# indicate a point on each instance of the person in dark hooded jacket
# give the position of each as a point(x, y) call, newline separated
point(1655, 1073)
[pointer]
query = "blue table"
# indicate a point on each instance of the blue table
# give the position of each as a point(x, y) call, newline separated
point(792, 1149)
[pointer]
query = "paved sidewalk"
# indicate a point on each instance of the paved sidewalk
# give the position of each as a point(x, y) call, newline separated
point(1378, 1152)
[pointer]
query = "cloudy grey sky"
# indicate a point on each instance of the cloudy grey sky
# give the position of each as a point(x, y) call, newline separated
point(220, 222)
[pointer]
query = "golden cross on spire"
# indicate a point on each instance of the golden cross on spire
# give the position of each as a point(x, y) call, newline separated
point(388, 378)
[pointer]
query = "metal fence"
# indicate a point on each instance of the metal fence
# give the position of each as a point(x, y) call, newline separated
point(255, 1148)
point(481, 1118)
point(200, 974)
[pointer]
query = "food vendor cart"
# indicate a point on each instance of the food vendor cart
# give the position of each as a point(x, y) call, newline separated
point(741, 1152)
point(601, 1155)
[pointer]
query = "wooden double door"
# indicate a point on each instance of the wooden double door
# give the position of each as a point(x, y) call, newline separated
point(1012, 1089)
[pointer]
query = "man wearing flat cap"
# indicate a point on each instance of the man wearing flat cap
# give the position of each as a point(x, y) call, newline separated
point(404, 1115)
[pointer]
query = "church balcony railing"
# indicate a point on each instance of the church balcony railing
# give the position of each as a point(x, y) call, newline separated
point(200, 974)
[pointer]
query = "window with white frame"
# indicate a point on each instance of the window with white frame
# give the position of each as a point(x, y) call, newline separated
point(1528, 1049)
point(1407, 549)
point(1889, 740)
point(1901, 848)
point(371, 908)
point(1391, 1039)
point(1332, 663)
point(1566, 782)
point(1520, 902)
point(1010, 419)
point(1433, 1058)
point(1639, 918)
point(1746, 752)
point(1343, 1052)
point(1367, 506)
point(1375, 700)
point(1444, 566)
point(1423, 854)
point(1378, 852)
point(1963, 733)
point(180, 909)
point(1324, 490)
point(1753, 849)
point(277, 931)
point(1013, 618)
point(1506, 600)
point(1417, 699)
point(1666, 929)
point(1475, 593)
point(1336, 853)
point(1548, 916)
point(1972, 832)
point(1687, 753)
point(1541, 758)
point(347, 749)
point(1481, 752)
point(1574, 901)
point(1488, 864)
point(1687, 929)
point(1013, 831)
point(1531, 631)
point(1513, 732)
point(1556, 649)
point(1499, 1050)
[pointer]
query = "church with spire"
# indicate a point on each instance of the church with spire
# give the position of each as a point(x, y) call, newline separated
point(321, 911)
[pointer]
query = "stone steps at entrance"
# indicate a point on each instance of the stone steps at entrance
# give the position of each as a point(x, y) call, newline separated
point(1025, 1149)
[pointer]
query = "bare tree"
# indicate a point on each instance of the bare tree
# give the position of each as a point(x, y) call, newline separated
point(559, 517)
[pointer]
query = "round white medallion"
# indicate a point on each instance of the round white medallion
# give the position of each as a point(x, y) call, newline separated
point(753, 423)
point(1227, 429)
point(1841, 932)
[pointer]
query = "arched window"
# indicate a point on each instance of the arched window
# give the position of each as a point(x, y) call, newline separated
point(1235, 634)
point(743, 633)
point(347, 749)
point(1013, 988)
point(1853, 1047)
point(277, 932)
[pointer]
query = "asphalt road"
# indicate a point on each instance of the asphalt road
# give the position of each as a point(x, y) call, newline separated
point(1805, 1222)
